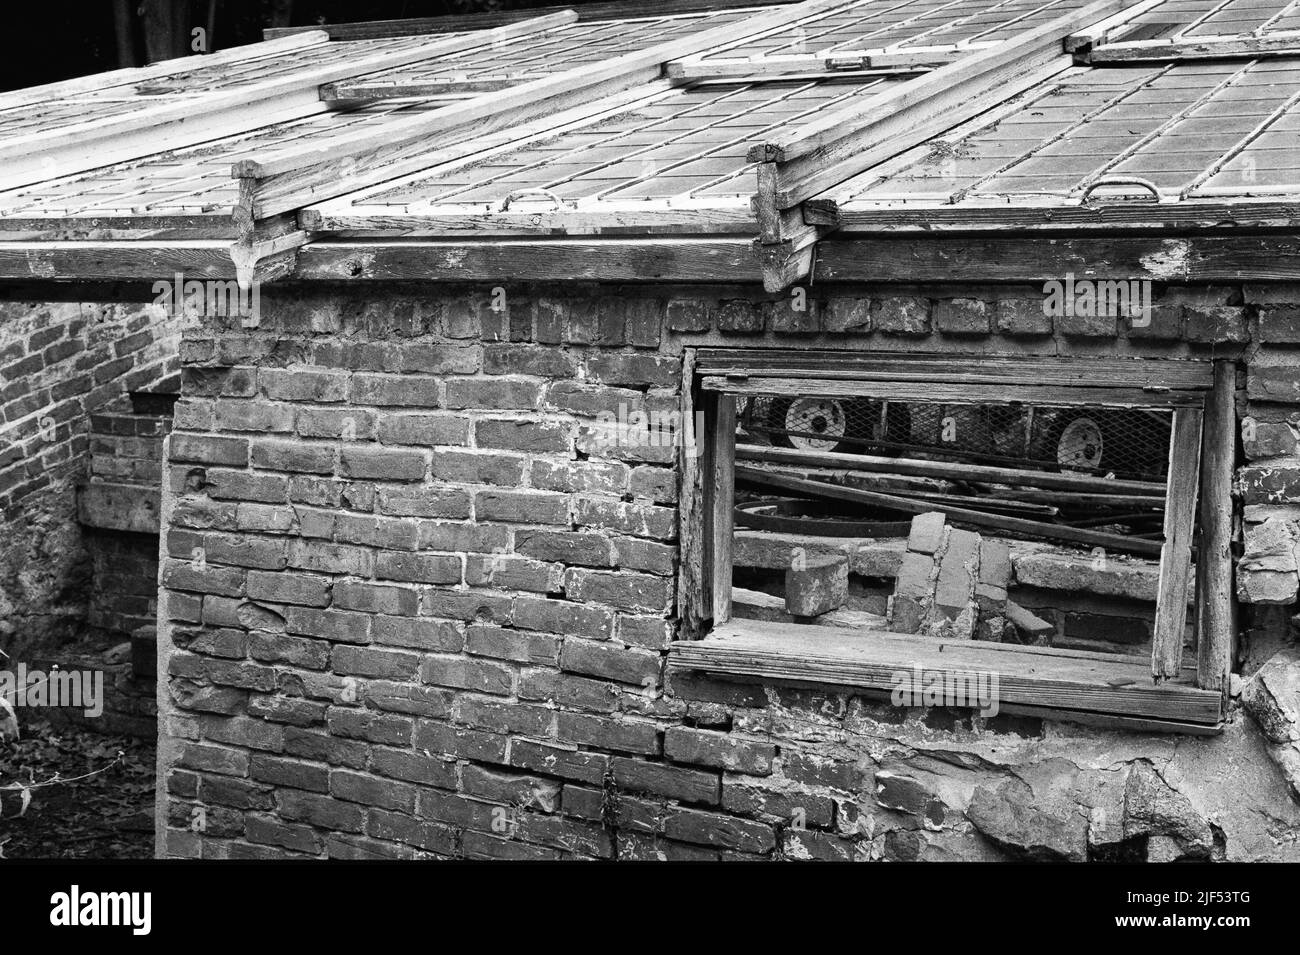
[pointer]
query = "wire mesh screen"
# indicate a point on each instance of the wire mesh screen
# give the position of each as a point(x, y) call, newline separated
point(1086, 440)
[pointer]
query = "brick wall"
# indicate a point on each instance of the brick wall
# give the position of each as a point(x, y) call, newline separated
point(59, 364)
point(415, 606)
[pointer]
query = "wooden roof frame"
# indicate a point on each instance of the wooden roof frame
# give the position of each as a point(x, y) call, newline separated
point(269, 232)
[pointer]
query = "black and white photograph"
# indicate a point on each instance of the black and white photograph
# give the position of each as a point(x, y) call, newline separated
point(516, 435)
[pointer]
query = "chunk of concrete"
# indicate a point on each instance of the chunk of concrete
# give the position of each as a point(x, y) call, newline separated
point(817, 588)
point(927, 533)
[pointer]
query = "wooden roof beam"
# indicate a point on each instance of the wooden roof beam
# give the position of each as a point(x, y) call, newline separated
point(673, 259)
point(1280, 44)
point(699, 67)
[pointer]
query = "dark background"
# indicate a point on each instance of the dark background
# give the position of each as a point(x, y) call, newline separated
point(48, 40)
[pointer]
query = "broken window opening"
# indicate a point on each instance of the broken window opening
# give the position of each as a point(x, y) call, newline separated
point(847, 503)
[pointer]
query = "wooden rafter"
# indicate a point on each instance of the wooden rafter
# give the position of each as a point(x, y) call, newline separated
point(1184, 49)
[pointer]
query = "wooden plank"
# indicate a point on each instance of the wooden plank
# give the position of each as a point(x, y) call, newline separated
point(1260, 257)
point(1176, 553)
point(1215, 609)
point(643, 217)
point(1208, 48)
point(1099, 372)
point(693, 457)
point(874, 661)
point(1012, 525)
point(306, 37)
point(420, 26)
point(720, 428)
point(509, 260)
point(819, 154)
point(698, 68)
point(1242, 211)
point(197, 258)
point(940, 391)
point(950, 471)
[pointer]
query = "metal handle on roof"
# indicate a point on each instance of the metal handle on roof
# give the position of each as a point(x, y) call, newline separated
point(534, 193)
point(1121, 181)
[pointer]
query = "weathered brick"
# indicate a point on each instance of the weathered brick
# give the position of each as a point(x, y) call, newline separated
point(718, 750)
point(407, 391)
point(901, 315)
point(369, 791)
point(458, 672)
point(376, 598)
point(624, 591)
point(303, 384)
point(559, 762)
point(291, 773)
point(520, 434)
point(715, 829)
point(425, 430)
point(207, 449)
point(963, 316)
point(381, 464)
point(522, 507)
point(675, 782)
point(739, 316)
point(611, 662)
point(518, 646)
point(372, 662)
point(605, 733)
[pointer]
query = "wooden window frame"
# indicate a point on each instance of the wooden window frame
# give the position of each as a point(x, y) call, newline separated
point(1200, 395)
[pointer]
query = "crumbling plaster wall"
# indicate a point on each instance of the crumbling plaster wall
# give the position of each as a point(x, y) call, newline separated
point(59, 364)
point(431, 609)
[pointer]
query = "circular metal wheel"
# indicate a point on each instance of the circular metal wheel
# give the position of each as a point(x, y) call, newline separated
point(823, 417)
point(1080, 445)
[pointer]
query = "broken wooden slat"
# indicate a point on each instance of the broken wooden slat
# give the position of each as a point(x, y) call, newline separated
point(941, 391)
point(1013, 525)
point(1036, 676)
point(1148, 373)
point(1215, 621)
point(720, 432)
point(1263, 257)
point(507, 260)
point(1206, 48)
point(950, 471)
point(696, 596)
point(1176, 553)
